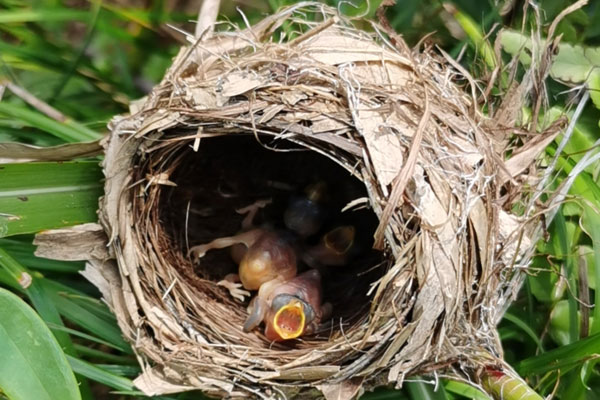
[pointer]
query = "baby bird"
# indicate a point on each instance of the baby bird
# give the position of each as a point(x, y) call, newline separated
point(304, 215)
point(289, 305)
point(334, 248)
point(264, 255)
point(289, 309)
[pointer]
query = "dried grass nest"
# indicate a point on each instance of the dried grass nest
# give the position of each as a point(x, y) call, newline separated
point(246, 114)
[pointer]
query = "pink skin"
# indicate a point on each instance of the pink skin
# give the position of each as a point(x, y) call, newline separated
point(262, 255)
point(267, 263)
point(305, 287)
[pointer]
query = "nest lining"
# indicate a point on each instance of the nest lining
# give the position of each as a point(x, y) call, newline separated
point(432, 170)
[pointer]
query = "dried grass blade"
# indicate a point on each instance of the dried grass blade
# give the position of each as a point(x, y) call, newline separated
point(402, 179)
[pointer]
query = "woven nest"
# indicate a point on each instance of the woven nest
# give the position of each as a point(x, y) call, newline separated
point(247, 115)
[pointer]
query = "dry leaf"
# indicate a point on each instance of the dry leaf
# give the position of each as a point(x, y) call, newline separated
point(346, 390)
point(18, 152)
point(239, 83)
point(80, 242)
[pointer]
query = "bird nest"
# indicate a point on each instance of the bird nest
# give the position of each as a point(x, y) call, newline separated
point(406, 158)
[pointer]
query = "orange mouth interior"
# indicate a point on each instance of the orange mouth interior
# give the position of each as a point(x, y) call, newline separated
point(289, 320)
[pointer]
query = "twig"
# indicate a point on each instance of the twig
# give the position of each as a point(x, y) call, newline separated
point(316, 30)
point(36, 103)
point(572, 8)
point(207, 17)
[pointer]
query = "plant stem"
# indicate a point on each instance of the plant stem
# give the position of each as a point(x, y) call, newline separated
point(507, 385)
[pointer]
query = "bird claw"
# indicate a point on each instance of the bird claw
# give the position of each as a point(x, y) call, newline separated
point(251, 212)
point(235, 289)
point(197, 252)
point(258, 204)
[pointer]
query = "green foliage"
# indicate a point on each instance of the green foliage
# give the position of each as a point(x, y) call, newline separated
point(572, 64)
point(27, 190)
point(466, 391)
point(425, 391)
point(33, 365)
point(101, 375)
point(562, 358)
point(90, 60)
point(68, 131)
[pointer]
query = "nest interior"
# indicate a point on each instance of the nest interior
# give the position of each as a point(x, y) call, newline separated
point(230, 172)
point(376, 122)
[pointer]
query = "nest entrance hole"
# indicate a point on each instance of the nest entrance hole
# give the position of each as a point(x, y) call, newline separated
point(231, 172)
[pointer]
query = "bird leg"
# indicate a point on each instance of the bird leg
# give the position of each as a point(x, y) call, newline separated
point(246, 238)
point(256, 313)
point(251, 211)
point(257, 310)
point(232, 283)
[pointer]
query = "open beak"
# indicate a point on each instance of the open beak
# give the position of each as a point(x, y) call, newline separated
point(289, 320)
point(340, 240)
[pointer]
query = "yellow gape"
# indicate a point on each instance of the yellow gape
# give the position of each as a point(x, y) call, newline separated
point(289, 320)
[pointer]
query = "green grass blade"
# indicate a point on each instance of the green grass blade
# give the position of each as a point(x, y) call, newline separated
point(121, 370)
point(465, 390)
point(7, 280)
point(36, 196)
point(525, 328)
point(94, 305)
point(94, 13)
point(82, 335)
point(384, 393)
point(42, 301)
point(53, 300)
point(576, 381)
point(32, 365)
point(475, 33)
point(42, 15)
point(12, 273)
point(38, 296)
point(102, 354)
point(565, 356)
point(87, 318)
point(97, 374)
point(591, 222)
point(565, 243)
point(583, 185)
point(425, 391)
point(69, 131)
